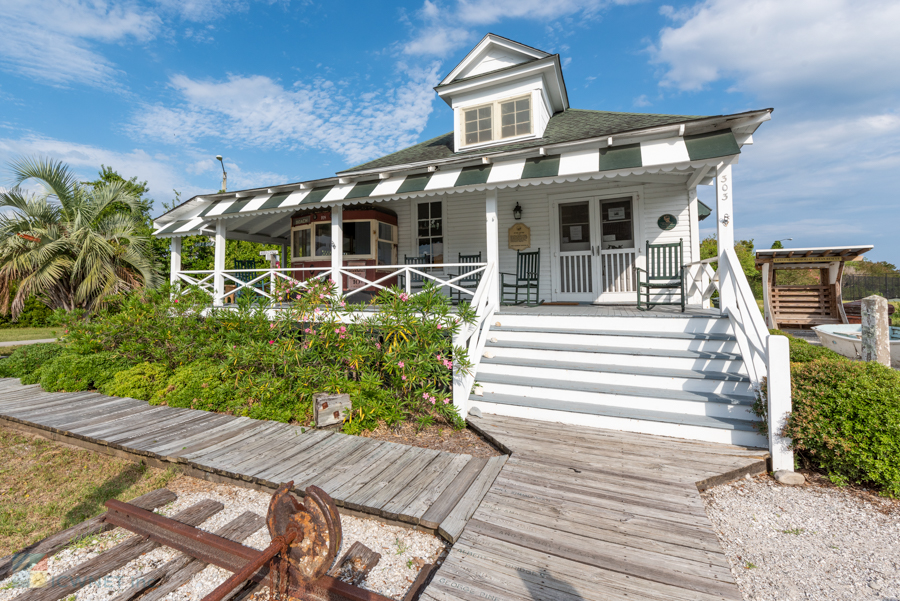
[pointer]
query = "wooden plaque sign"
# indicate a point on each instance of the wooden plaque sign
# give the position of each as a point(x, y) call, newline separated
point(330, 408)
point(519, 237)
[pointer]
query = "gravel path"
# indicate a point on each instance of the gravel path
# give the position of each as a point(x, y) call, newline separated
point(403, 551)
point(810, 542)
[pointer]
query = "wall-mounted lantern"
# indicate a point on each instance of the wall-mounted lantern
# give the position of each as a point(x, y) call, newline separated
point(517, 212)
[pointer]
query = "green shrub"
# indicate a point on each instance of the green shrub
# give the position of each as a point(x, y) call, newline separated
point(199, 385)
point(71, 373)
point(139, 382)
point(804, 352)
point(846, 421)
point(25, 360)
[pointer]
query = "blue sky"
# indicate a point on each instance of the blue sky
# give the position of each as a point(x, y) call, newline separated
point(288, 90)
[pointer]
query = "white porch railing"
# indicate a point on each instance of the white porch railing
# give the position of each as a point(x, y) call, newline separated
point(702, 281)
point(766, 357)
point(263, 281)
point(472, 338)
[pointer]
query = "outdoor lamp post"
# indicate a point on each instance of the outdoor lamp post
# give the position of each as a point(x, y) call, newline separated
point(517, 212)
point(224, 174)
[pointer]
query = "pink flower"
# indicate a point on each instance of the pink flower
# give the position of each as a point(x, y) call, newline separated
point(343, 329)
point(378, 345)
point(176, 300)
point(403, 378)
point(432, 400)
point(404, 297)
point(440, 327)
point(401, 364)
point(424, 395)
point(343, 304)
point(271, 325)
point(271, 342)
point(447, 400)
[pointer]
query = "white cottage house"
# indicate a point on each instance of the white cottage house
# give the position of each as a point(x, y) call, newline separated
point(588, 193)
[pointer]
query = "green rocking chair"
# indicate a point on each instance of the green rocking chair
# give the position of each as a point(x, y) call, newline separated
point(526, 279)
point(470, 281)
point(665, 273)
point(416, 281)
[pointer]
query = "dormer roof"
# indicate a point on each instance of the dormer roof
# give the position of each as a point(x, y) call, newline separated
point(496, 60)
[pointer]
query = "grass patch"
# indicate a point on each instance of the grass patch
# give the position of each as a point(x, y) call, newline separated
point(16, 334)
point(46, 487)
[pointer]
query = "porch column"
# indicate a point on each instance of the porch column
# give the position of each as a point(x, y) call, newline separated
point(724, 225)
point(219, 264)
point(174, 259)
point(493, 244)
point(337, 247)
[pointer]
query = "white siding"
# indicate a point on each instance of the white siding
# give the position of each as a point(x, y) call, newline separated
point(465, 224)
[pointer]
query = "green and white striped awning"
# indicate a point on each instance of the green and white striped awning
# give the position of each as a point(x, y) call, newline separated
point(644, 157)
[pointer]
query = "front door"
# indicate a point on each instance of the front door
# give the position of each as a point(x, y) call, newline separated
point(574, 254)
point(595, 249)
point(618, 250)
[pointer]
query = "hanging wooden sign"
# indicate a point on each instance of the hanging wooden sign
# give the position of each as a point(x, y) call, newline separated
point(667, 222)
point(519, 237)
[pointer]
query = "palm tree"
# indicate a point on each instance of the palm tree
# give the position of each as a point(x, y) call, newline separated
point(71, 245)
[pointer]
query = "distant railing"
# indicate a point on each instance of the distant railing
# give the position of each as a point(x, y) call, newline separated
point(276, 284)
point(855, 287)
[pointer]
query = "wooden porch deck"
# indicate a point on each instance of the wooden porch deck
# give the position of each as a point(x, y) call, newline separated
point(585, 514)
point(433, 490)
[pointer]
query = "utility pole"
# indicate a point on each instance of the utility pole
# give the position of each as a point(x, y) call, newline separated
point(224, 174)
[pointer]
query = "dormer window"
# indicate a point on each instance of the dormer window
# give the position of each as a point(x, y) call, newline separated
point(478, 125)
point(481, 127)
point(515, 117)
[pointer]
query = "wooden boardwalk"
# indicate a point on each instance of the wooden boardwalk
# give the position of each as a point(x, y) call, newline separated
point(430, 489)
point(587, 514)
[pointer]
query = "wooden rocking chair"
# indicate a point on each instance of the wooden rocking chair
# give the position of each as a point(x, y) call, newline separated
point(665, 273)
point(527, 278)
point(470, 281)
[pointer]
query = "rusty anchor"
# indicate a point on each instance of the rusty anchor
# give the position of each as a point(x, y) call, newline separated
point(306, 537)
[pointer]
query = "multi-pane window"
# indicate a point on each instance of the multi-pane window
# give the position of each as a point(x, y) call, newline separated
point(387, 249)
point(430, 231)
point(302, 243)
point(515, 117)
point(515, 120)
point(478, 125)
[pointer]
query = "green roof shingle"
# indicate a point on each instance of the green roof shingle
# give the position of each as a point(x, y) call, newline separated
point(566, 126)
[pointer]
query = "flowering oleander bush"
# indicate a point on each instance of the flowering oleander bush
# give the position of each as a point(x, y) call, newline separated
point(396, 363)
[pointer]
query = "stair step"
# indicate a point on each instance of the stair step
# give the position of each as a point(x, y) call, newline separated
point(619, 369)
point(704, 421)
point(629, 333)
point(661, 393)
point(586, 348)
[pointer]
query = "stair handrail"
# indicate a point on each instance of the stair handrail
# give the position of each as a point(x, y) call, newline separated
point(736, 300)
point(472, 338)
point(703, 280)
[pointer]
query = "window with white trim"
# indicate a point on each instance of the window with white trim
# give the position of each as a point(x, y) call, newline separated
point(430, 231)
point(479, 125)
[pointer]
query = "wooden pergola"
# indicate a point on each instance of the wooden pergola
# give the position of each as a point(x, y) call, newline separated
point(805, 306)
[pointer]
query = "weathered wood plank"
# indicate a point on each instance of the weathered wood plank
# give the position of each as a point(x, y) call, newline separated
point(440, 466)
point(71, 580)
point(413, 512)
point(359, 499)
point(355, 565)
point(445, 503)
point(55, 542)
point(452, 526)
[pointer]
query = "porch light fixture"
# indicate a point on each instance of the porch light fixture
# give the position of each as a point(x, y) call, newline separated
point(224, 174)
point(517, 212)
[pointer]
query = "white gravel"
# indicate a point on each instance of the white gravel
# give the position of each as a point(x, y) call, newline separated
point(809, 542)
point(403, 551)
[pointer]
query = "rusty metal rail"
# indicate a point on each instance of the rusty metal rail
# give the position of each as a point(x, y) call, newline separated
point(306, 536)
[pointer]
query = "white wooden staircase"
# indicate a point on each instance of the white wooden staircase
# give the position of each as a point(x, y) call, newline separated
point(672, 375)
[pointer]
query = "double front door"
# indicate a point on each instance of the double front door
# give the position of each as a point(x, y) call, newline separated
point(595, 249)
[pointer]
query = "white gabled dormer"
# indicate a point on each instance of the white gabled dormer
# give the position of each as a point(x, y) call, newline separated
point(503, 92)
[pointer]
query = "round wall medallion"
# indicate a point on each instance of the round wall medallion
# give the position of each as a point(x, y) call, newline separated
point(666, 222)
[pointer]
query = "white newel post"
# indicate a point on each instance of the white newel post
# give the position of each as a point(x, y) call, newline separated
point(174, 259)
point(724, 229)
point(779, 399)
point(219, 264)
point(493, 244)
point(337, 247)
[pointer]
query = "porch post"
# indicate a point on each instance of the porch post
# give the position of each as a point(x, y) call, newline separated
point(174, 259)
point(219, 264)
point(337, 247)
point(493, 244)
point(724, 226)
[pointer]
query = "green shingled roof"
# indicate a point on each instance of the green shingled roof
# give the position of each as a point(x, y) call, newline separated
point(567, 126)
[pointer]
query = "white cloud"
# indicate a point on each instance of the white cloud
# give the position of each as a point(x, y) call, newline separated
point(448, 28)
point(53, 41)
point(774, 47)
point(322, 115)
point(161, 172)
point(641, 100)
